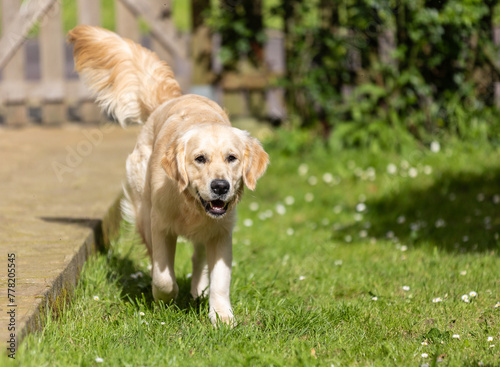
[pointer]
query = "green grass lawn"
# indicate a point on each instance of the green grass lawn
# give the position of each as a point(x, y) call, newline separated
point(343, 258)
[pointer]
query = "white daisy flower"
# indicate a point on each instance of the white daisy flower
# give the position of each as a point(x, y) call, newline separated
point(338, 263)
point(456, 336)
point(312, 180)
point(374, 298)
point(358, 217)
point(141, 313)
point(427, 170)
point(473, 294)
point(406, 288)
point(413, 172)
point(371, 174)
point(465, 298)
point(99, 360)
point(361, 207)
point(303, 169)
point(496, 199)
point(490, 338)
point(96, 298)
point(463, 272)
point(290, 231)
point(289, 200)
point(248, 222)
point(327, 178)
point(437, 300)
point(280, 209)
point(424, 355)
point(440, 223)
point(302, 277)
point(435, 147)
point(136, 275)
point(392, 168)
point(309, 197)
point(254, 206)
point(425, 342)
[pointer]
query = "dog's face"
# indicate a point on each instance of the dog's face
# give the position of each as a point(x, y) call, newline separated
point(211, 162)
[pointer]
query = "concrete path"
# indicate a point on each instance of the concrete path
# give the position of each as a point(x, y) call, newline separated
point(58, 197)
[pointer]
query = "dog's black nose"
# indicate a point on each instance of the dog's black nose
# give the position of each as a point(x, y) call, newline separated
point(220, 187)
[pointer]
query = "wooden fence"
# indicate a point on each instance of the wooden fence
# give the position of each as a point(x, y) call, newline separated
point(36, 72)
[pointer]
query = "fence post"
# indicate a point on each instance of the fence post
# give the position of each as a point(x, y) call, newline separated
point(496, 84)
point(201, 50)
point(126, 23)
point(163, 12)
point(89, 12)
point(274, 55)
point(13, 73)
point(387, 46)
point(52, 66)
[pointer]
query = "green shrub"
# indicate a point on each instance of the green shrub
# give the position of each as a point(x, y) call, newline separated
point(437, 81)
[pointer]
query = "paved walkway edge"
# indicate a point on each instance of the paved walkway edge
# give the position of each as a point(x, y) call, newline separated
point(101, 233)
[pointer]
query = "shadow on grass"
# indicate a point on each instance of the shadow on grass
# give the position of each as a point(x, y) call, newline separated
point(136, 286)
point(458, 213)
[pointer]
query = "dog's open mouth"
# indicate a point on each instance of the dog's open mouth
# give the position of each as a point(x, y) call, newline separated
point(215, 208)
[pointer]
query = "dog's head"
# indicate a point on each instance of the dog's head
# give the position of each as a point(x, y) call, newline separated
point(211, 162)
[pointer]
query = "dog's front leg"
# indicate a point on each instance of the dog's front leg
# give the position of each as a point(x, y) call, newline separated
point(219, 257)
point(163, 255)
point(200, 278)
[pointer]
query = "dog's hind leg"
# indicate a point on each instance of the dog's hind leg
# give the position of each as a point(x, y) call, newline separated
point(200, 278)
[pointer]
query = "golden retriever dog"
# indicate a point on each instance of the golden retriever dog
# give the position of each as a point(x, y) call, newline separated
point(187, 171)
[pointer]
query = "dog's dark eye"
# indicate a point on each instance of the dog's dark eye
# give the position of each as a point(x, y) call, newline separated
point(231, 158)
point(201, 159)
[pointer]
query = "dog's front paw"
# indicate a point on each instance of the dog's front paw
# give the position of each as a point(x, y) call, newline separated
point(165, 292)
point(222, 317)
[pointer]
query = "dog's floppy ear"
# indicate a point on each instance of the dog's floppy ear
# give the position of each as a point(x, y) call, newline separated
point(174, 164)
point(254, 163)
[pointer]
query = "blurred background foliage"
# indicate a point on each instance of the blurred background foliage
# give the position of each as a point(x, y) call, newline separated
point(377, 73)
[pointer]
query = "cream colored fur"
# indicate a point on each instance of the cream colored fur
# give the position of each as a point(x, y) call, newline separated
point(185, 148)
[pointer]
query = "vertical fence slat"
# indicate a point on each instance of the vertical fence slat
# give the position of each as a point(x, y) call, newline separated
point(274, 54)
point(387, 46)
point(126, 23)
point(163, 12)
point(89, 12)
point(13, 73)
point(496, 85)
point(52, 66)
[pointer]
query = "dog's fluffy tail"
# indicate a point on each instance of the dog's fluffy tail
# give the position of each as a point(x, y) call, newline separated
point(129, 81)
